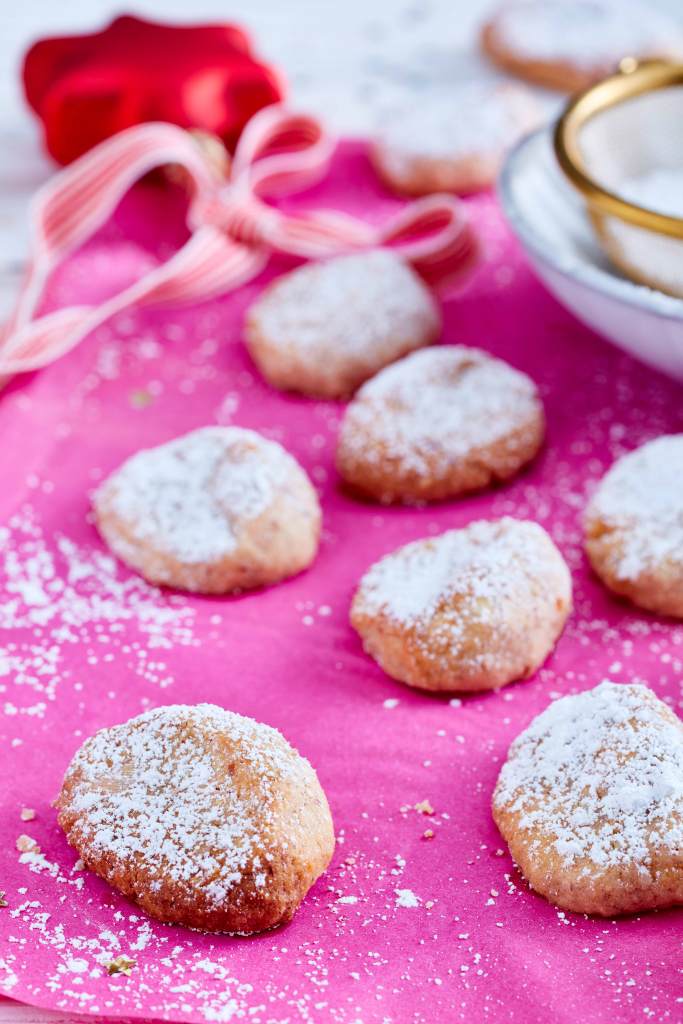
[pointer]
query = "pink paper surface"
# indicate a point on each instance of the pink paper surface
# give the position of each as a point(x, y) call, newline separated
point(401, 928)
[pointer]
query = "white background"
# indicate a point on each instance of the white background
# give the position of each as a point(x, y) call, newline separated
point(346, 60)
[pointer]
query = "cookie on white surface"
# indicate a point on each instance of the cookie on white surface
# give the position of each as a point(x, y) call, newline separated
point(218, 510)
point(438, 424)
point(470, 609)
point(454, 143)
point(203, 817)
point(326, 327)
point(634, 526)
point(570, 44)
point(590, 802)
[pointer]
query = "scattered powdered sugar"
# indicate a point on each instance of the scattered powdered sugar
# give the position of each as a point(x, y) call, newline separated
point(190, 496)
point(641, 500)
point(38, 862)
point(56, 595)
point(587, 33)
point(406, 898)
point(599, 775)
point(470, 119)
point(486, 562)
point(366, 301)
point(437, 406)
point(152, 794)
point(354, 962)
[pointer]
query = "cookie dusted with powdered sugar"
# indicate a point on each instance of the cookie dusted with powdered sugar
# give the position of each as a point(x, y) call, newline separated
point(218, 510)
point(326, 327)
point(437, 424)
point(456, 142)
point(203, 817)
point(471, 609)
point(570, 44)
point(590, 801)
point(634, 526)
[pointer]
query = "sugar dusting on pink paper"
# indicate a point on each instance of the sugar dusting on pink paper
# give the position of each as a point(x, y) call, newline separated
point(421, 916)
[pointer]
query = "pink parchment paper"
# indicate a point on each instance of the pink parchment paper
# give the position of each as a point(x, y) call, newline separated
point(402, 928)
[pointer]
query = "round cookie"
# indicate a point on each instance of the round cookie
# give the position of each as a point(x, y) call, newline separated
point(470, 609)
point(570, 44)
point(218, 510)
point(437, 424)
point(202, 817)
point(590, 802)
point(326, 327)
point(456, 142)
point(634, 526)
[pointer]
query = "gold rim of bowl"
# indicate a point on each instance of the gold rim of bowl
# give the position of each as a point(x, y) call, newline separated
point(633, 79)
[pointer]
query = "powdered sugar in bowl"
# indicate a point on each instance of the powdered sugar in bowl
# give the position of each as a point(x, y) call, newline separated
point(620, 145)
point(554, 211)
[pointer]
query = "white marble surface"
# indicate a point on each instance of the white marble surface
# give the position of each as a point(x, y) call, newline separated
point(344, 60)
point(339, 56)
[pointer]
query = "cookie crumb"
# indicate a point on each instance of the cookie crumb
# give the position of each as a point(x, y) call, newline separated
point(25, 844)
point(27, 814)
point(424, 807)
point(140, 399)
point(121, 965)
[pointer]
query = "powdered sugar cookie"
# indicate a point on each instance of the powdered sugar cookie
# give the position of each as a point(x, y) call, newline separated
point(218, 510)
point(471, 609)
point(326, 327)
point(570, 44)
point(437, 424)
point(456, 142)
point(590, 801)
point(203, 817)
point(634, 526)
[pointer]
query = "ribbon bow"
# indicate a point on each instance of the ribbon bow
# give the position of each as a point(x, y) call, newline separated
point(234, 231)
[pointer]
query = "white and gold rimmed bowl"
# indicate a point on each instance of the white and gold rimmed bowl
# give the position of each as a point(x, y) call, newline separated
point(616, 264)
point(625, 130)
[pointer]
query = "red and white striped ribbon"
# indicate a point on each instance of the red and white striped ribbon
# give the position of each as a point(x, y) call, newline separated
point(234, 230)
